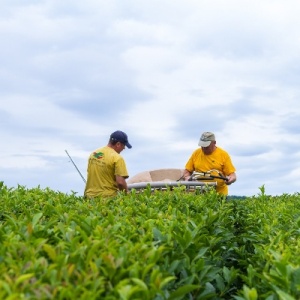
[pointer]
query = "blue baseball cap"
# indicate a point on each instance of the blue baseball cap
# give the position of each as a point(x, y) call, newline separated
point(121, 137)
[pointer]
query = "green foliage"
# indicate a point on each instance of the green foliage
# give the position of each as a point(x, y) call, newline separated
point(161, 245)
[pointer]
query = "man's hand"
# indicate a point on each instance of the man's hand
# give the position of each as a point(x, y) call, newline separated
point(231, 178)
point(186, 175)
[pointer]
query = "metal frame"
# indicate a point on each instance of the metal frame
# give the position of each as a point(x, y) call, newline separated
point(191, 186)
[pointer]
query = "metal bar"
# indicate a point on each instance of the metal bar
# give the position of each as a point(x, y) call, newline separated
point(76, 167)
point(161, 184)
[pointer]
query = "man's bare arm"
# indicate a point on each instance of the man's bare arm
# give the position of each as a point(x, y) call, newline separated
point(121, 183)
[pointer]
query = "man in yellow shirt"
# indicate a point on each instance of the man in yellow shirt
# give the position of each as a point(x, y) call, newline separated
point(107, 171)
point(210, 157)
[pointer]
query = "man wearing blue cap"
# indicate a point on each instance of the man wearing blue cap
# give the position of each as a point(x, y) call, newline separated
point(107, 171)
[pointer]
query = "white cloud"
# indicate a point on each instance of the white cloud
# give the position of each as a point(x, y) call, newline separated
point(163, 71)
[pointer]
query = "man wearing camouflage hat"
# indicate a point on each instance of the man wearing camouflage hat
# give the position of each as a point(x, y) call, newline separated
point(211, 158)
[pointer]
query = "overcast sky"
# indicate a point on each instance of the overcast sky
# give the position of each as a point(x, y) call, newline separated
point(163, 71)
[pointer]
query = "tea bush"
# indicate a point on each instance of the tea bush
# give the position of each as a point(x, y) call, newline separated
point(161, 245)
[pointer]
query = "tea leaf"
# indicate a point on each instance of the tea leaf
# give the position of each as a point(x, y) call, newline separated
point(182, 291)
point(24, 277)
point(36, 219)
point(50, 251)
point(284, 296)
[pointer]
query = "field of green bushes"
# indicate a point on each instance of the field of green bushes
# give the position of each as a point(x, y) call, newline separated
point(149, 246)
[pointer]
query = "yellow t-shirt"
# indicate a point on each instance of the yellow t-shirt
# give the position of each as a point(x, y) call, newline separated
point(103, 165)
point(218, 160)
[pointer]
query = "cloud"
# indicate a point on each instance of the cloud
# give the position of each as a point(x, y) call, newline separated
point(72, 72)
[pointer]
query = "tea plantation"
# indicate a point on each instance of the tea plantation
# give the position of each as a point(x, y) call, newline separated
point(150, 246)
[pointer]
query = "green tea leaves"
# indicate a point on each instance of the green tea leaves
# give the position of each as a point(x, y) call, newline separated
point(150, 246)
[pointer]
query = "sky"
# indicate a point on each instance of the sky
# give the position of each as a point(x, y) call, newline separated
point(163, 71)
